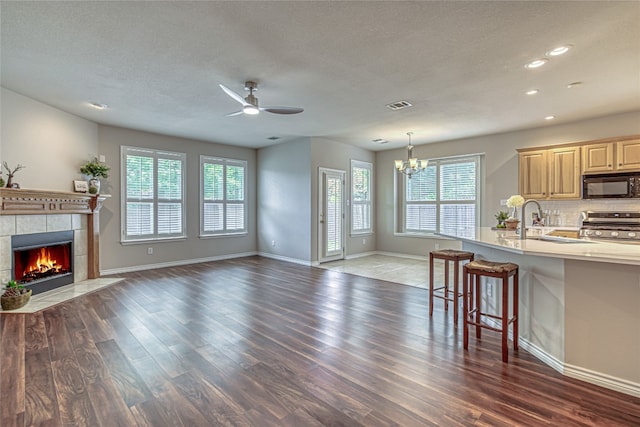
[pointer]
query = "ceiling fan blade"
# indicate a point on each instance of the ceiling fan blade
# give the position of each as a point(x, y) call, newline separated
point(236, 113)
point(282, 110)
point(232, 94)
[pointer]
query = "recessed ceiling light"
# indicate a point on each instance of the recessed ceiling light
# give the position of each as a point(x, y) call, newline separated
point(559, 50)
point(532, 91)
point(537, 63)
point(550, 117)
point(98, 106)
point(379, 141)
point(574, 84)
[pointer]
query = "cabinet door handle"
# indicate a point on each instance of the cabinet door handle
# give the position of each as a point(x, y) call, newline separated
point(619, 164)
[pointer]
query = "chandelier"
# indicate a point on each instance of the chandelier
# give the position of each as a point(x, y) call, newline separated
point(412, 165)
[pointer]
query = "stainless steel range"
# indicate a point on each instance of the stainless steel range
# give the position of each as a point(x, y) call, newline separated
point(621, 227)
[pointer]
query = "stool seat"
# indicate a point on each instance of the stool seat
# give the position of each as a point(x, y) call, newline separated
point(492, 266)
point(472, 307)
point(452, 253)
point(443, 292)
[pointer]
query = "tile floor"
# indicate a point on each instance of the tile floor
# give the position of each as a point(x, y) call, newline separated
point(406, 271)
point(47, 299)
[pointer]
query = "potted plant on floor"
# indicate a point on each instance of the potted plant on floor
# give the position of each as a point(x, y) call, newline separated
point(96, 170)
point(14, 296)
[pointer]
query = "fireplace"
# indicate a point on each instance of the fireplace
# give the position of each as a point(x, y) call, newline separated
point(43, 261)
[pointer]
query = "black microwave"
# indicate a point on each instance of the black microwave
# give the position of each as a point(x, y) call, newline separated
point(611, 186)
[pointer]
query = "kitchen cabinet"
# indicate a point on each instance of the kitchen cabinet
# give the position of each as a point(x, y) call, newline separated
point(533, 174)
point(611, 156)
point(552, 174)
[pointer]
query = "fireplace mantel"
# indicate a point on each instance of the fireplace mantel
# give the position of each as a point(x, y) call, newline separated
point(38, 202)
point(50, 202)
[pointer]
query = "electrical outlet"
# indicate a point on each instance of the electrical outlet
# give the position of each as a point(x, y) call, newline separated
point(273, 243)
point(364, 241)
point(436, 246)
point(102, 158)
point(149, 251)
point(503, 202)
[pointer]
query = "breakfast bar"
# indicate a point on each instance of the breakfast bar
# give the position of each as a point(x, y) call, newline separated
point(579, 302)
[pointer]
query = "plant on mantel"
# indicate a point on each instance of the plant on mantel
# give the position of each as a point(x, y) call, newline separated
point(96, 170)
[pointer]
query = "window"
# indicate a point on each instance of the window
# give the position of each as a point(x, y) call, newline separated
point(153, 194)
point(360, 197)
point(223, 196)
point(444, 198)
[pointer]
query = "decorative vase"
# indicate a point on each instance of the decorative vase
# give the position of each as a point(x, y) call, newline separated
point(514, 212)
point(15, 302)
point(94, 186)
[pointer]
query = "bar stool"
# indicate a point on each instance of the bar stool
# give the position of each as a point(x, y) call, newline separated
point(473, 314)
point(444, 292)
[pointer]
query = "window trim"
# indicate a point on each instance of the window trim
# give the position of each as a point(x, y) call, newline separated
point(224, 161)
point(400, 195)
point(369, 166)
point(155, 154)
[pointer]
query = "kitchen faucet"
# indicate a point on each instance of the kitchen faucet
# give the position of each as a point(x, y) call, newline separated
point(523, 226)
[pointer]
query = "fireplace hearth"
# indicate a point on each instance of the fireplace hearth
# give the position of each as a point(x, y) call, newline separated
point(43, 261)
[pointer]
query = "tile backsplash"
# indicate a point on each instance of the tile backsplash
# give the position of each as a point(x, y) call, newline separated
point(570, 210)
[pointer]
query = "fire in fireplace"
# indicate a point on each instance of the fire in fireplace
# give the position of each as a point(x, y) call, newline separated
point(43, 261)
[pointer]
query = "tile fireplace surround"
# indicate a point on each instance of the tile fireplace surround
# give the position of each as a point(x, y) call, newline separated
point(40, 211)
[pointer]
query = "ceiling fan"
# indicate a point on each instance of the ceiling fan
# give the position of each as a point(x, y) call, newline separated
point(250, 103)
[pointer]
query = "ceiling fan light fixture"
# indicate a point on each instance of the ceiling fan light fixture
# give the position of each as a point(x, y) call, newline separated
point(252, 110)
point(250, 102)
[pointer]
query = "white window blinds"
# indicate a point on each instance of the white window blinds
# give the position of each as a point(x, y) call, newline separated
point(360, 197)
point(153, 194)
point(445, 197)
point(223, 196)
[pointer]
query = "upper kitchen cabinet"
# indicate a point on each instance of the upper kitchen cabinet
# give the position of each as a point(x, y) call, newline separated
point(564, 173)
point(552, 173)
point(533, 174)
point(628, 154)
point(621, 155)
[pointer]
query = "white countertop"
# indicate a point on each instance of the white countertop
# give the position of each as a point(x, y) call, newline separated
point(618, 253)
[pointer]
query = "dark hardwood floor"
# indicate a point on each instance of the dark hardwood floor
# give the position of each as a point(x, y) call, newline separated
point(259, 342)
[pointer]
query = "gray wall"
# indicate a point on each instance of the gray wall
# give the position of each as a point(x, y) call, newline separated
point(51, 144)
point(500, 169)
point(335, 155)
point(284, 201)
point(116, 257)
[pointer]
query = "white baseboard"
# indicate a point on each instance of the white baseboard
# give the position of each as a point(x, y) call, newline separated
point(603, 380)
point(111, 271)
point(284, 258)
point(542, 355)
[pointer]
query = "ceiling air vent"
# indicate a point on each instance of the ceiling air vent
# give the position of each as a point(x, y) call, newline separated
point(399, 105)
point(273, 138)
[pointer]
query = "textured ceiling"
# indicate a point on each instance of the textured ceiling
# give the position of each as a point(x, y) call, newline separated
point(461, 64)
